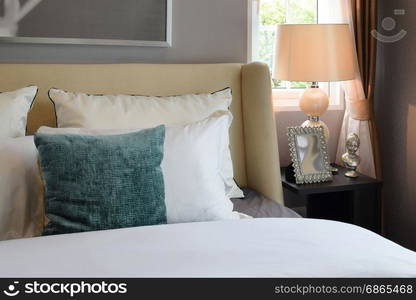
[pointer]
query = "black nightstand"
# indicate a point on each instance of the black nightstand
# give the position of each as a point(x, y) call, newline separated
point(355, 201)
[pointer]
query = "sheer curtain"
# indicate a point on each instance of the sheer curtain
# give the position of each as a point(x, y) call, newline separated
point(358, 115)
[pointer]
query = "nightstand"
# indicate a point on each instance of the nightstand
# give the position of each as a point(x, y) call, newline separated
point(351, 200)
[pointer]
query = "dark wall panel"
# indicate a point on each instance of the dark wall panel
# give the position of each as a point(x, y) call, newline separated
point(395, 104)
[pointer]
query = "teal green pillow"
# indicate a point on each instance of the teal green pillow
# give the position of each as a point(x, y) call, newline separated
point(102, 182)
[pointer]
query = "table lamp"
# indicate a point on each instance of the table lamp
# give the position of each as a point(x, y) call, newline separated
point(314, 53)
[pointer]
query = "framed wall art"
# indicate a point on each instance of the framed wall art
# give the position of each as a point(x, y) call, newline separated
point(94, 22)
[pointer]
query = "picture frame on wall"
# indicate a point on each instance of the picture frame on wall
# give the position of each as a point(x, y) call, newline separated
point(88, 22)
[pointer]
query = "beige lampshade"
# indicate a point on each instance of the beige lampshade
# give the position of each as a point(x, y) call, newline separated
point(314, 52)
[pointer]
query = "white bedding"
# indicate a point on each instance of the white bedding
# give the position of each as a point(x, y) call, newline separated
point(239, 248)
point(21, 208)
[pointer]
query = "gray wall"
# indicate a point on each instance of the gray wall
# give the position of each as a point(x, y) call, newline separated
point(395, 104)
point(203, 31)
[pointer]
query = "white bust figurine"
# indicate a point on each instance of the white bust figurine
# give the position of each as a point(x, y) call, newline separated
point(350, 159)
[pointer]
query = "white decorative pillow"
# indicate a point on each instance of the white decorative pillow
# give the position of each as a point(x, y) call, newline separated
point(21, 207)
point(194, 188)
point(14, 107)
point(132, 111)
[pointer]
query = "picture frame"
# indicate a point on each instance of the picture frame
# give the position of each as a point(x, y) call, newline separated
point(309, 154)
point(10, 32)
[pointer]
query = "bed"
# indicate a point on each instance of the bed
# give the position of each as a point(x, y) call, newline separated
point(261, 247)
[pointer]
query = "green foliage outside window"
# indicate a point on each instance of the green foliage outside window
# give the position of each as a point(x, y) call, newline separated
point(273, 12)
point(302, 12)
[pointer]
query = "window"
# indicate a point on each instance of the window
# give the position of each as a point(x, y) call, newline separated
point(266, 14)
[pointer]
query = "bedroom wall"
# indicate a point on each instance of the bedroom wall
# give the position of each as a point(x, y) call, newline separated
point(395, 106)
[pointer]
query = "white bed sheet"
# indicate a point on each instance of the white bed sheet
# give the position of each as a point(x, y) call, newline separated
point(240, 248)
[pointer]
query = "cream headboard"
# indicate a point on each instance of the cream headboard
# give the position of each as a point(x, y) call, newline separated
point(253, 133)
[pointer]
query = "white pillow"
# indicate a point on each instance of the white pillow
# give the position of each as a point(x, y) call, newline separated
point(194, 189)
point(132, 111)
point(21, 207)
point(14, 107)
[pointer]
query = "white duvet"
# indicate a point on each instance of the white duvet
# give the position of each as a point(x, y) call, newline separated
point(239, 248)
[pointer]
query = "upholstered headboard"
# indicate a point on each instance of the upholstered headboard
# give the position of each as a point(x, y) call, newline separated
point(253, 133)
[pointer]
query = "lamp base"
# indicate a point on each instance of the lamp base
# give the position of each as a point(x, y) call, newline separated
point(315, 122)
point(314, 101)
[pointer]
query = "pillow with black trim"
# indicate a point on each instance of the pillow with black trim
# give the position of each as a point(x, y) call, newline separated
point(14, 107)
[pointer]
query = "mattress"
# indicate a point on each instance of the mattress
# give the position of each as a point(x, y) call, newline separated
point(265, 247)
